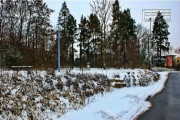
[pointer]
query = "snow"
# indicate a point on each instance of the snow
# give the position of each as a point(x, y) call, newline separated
point(120, 104)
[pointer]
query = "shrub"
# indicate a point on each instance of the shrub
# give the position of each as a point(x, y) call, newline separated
point(177, 67)
point(59, 85)
point(127, 80)
point(51, 71)
point(13, 58)
point(156, 77)
point(144, 80)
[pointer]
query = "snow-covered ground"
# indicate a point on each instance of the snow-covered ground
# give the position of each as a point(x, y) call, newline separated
point(120, 104)
point(48, 99)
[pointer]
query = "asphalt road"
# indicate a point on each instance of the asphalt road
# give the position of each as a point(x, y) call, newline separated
point(166, 104)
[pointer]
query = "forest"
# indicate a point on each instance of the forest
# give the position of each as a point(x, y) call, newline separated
point(108, 38)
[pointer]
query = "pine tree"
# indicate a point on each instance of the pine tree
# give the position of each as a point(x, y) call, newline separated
point(94, 29)
point(84, 41)
point(68, 34)
point(115, 15)
point(71, 30)
point(64, 14)
point(160, 37)
point(115, 35)
point(83, 38)
point(128, 36)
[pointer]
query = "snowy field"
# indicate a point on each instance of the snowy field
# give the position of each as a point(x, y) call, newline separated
point(63, 96)
point(120, 104)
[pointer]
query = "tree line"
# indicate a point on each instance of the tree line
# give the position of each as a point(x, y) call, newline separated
point(108, 37)
point(26, 33)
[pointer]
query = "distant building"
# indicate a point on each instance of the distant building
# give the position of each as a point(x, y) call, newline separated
point(169, 60)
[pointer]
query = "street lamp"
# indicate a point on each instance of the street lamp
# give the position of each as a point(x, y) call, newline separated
point(149, 46)
point(58, 44)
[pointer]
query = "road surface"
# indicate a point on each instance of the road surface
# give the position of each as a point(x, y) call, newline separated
point(166, 104)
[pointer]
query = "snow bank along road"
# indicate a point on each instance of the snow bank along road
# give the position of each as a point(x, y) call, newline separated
point(120, 104)
point(41, 96)
point(166, 105)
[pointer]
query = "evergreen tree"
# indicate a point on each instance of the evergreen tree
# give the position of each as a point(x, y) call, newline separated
point(123, 33)
point(68, 34)
point(94, 29)
point(83, 32)
point(115, 15)
point(115, 35)
point(13, 58)
point(71, 30)
point(128, 37)
point(160, 37)
point(64, 13)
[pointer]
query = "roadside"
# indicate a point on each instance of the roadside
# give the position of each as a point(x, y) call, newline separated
point(166, 104)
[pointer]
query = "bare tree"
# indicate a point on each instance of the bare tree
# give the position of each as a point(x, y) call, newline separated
point(142, 37)
point(102, 8)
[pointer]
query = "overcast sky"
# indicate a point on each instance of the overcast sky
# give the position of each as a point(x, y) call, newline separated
point(79, 7)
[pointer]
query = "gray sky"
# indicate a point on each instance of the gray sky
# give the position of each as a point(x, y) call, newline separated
point(79, 7)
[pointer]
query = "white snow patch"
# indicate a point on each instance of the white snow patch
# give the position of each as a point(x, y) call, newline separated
point(120, 104)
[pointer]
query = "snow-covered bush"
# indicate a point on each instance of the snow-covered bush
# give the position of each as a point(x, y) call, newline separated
point(36, 96)
point(156, 77)
point(127, 80)
point(148, 77)
point(59, 85)
point(51, 71)
point(140, 78)
point(144, 80)
point(43, 93)
point(116, 76)
point(134, 81)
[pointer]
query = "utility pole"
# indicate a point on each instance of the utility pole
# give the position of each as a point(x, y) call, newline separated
point(150, 57)
point(58, 44)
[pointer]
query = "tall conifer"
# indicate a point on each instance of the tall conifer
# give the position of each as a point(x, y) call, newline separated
point(160, 37)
